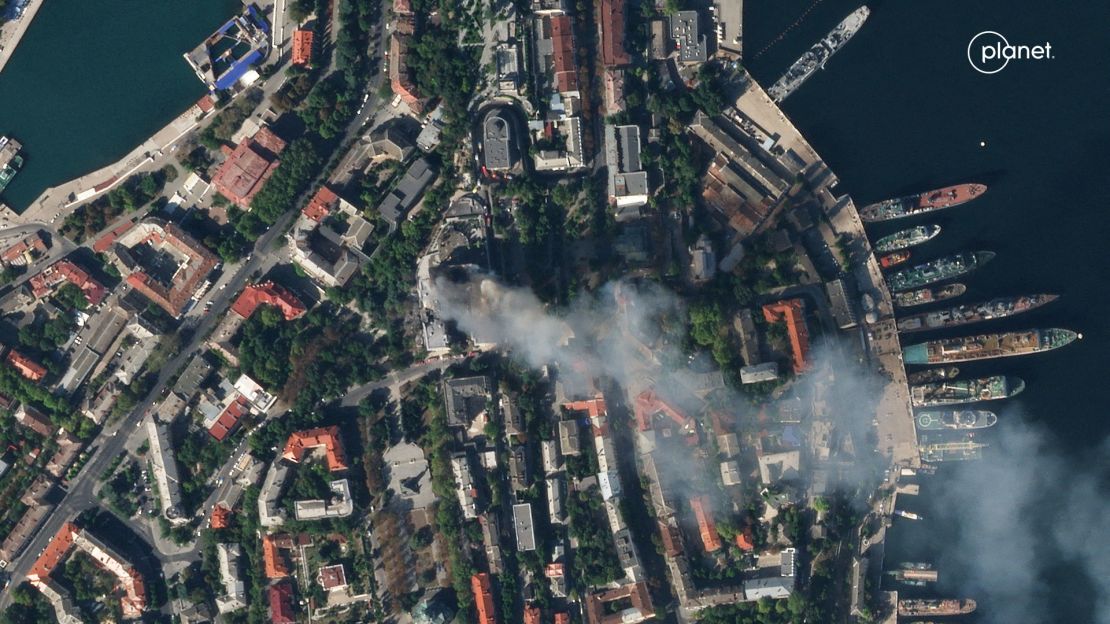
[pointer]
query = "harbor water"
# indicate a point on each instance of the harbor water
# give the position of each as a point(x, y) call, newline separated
point(899, 110)
point(91, 80)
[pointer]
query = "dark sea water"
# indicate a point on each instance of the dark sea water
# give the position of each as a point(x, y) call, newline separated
point(899, 110)
point(93, 78)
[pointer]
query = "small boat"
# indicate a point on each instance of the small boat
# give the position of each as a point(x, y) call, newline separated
point(893, 259)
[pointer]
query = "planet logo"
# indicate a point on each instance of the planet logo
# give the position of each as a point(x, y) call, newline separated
point(989, 52)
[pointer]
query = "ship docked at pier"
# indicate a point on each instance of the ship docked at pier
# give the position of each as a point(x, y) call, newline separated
point(924, 607)
point(932, 420)
point(11, 161)
point(921, 203)
point(907, 238)
point(973, 313)
point(816, 57)
point(938, 270)
point(915, 574)
point(987, 346)
point(933, 374)
point(956, 392)
point(921, 296)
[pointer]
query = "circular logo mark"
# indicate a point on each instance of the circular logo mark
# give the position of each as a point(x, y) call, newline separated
point(986, 56)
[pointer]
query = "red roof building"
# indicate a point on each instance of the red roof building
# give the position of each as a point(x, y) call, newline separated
point(27, 367)
point(324, 437)
point(24, 250)
point(195, 263)
point(634, 594)
point(744, 541)
point(562, 53)
point(247, 168)
point(710, 539)
point(483, 598)
point(302, 47)
point(532, 614)
point(562, 618)
point(221, 517)
point(268, 293)
point(34, 420)
point(273, 561)
point(332, 577)
point(281, 603)
point(792, 311)
point(611, 26)
point(593, 407)
point(65, 271)
point(229, 418)
point(70, 536)
point(104, 243)
point(321, 204)
point(399, 78)
point(206, 104)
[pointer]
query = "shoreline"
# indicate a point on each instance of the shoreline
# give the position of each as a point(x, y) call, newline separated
point(12, 33)
point(149, 154)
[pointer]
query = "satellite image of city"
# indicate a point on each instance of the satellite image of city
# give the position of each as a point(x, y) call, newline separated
point(554, 312)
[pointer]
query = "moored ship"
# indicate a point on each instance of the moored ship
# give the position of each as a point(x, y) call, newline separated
point(935, 607)
point(921, 203)
point(922, 296)
point(907, 238)
point(961, 391)
point(10, 160)
point(938, 270)
point(987, 346)
point(973, 313)
point(955, 419)
point(816, 57)
point(893, 259)
point(916, 574)
point(933, 374)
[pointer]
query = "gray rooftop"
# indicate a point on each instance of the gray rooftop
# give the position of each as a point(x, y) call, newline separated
point(522, 524)
point(684, 33)
point(466, 397)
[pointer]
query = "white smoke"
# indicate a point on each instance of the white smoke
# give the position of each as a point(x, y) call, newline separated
point(1019, 513)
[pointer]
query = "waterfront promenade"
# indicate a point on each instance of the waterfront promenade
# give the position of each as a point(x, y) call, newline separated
point(56, 202)
point(12, 32)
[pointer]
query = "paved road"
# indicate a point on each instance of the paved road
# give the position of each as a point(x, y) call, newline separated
point(112, 440)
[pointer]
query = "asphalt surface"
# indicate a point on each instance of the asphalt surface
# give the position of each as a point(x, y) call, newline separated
point(112, 440)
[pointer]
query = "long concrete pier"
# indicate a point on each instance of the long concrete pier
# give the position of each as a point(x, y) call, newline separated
point(11, 32)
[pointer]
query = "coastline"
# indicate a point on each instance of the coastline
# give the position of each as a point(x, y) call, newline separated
point(57, 201)
point(12, 32)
